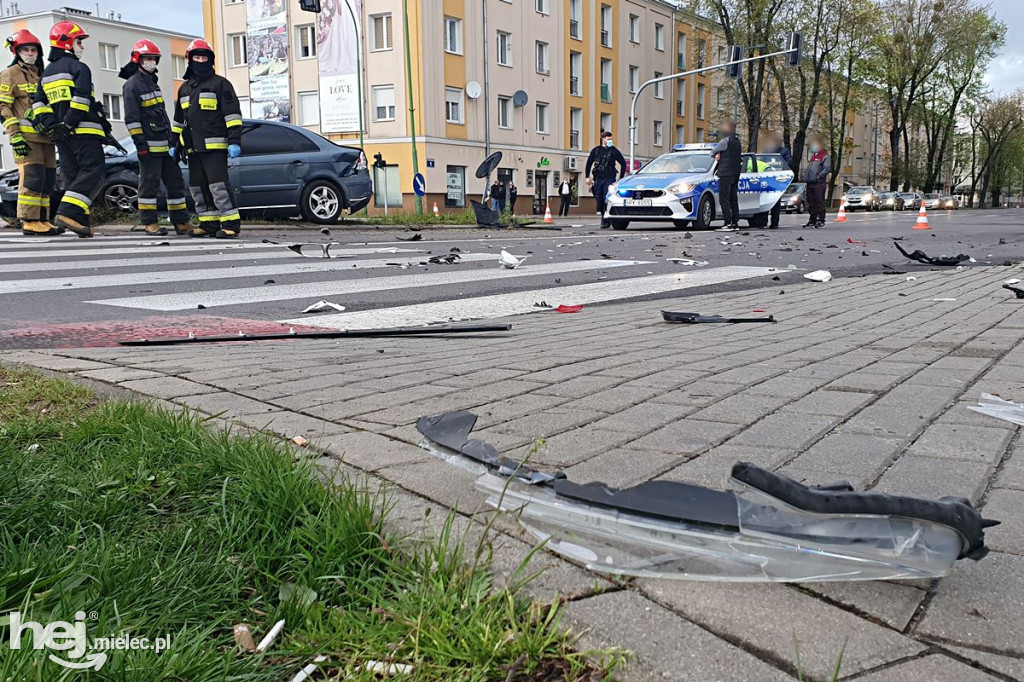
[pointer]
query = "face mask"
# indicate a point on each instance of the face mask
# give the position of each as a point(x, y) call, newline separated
point(609, 143)
point(148, 65)
point(79, 50)
point(815, 148)
point(29, 59)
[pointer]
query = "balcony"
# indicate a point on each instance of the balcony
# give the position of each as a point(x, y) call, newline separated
point(606, 38)
point(574, 86)
point(574, 139)
point(606, 93)
point(574, 29)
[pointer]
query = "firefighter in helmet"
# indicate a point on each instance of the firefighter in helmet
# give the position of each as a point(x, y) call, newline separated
point(208, 130)
point(76, 122)
point(33, 152)
point(146, 117)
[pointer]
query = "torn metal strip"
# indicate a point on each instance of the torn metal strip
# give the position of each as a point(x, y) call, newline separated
point(697, 318)
point(339, 334)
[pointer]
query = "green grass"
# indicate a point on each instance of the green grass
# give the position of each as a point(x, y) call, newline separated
point(162, 526)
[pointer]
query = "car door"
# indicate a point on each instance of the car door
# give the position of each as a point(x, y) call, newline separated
point(273, 166)
point(750, 186)
point(775, 177)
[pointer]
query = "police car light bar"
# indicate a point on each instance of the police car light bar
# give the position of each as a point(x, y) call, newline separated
point(692, 145)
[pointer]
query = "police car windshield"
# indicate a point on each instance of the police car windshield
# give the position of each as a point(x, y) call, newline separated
point(683, 162)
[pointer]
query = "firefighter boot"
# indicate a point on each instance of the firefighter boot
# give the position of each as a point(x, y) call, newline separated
point(155, 231)
point(181, 230)
point(227, 234)
point(34, 228)
point(83, 231)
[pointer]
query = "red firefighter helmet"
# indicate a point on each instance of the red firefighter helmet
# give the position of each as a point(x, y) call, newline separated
point(198, 45)
point(21, 39)
point(144, 48)
point(64, 34)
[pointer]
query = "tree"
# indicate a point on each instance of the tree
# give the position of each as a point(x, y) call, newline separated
point(997, 121)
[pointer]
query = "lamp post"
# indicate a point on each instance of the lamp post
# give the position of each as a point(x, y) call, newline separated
point(359, 74)
point(412, 106)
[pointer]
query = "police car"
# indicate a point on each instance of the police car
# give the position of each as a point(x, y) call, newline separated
point(681, 187)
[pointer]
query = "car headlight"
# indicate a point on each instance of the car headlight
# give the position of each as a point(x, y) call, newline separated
point(680, 188)
point(891, 201)
point(613, 188)
point(867, 197)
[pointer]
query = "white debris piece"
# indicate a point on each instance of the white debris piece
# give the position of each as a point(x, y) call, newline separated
point(1011, 281)
point(508, 261)
point(387, 669)
point(323, 306)
point(688, 261)
point(819, 276)
point(304, 674)
point(994, 406)
point(271, 636)
point(944, 300)
point(911, 279)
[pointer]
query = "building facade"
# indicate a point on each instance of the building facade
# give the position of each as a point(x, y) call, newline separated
point(107, 50)
point(535, 79)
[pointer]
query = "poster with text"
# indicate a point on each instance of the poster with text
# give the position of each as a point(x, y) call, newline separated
point(337, 45)
point(267, 48)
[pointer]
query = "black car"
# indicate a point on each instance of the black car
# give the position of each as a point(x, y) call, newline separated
point(284, 171)
point(795, 198)
point(892, 201)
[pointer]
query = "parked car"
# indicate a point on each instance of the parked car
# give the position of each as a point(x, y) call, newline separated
point(912, 201)
point(891, 201)
point(284, 171)
point(950, 203)
point(681, 187)
point(794, 199)
point(932, 201)
point(862, 198)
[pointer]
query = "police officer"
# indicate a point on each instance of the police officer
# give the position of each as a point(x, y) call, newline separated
point(208, 128)
point(146, 117)
point(72, 118)
point(601, 171)
point(33, 152)
point(729, 154)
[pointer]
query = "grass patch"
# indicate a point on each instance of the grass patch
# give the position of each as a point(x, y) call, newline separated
point(160, 526)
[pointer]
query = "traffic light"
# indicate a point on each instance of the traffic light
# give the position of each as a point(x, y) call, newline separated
point(735, 54)
point(796, 49)
point(310, 6)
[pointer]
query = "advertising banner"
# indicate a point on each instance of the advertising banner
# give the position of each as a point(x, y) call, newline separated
point(267, 47)
point(337, 43)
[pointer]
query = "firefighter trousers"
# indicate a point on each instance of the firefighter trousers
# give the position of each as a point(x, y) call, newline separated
point(211, 191)
point(37, 175)
point(83, 167)
point(154, 168)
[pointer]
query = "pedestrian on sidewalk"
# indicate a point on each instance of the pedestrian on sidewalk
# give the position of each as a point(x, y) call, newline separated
point(601, 171)
point(495, 194)
point(776, 146)
point(513, 195)
point(565, 194)
point(729, 154)
point(816, 176)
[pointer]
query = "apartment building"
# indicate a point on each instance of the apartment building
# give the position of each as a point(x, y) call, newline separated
point(534, 79)
point(107, 50)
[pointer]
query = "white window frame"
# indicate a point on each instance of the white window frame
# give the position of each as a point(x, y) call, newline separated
point(542, 7)
point(659, 134)
point(388, 24)
point(659, 88)
point(634, 29)
point(179, 64)
point(310, 30)
point(455, 48)
point(505, 111)
point(576, 59)
point(504, 40)
point(543, 54)
point(108, 104)
point(389, 115)
point(543, 118)
point(607, 21)
point(659, 37)
point(634, 78)
point(303, 98)
point(606, 118)
point(108, 63)
point(240, 39)
point(461, 104)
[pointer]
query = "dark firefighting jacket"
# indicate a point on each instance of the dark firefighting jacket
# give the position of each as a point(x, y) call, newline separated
point(145, 113)
point(207, 115)
point(67, 96)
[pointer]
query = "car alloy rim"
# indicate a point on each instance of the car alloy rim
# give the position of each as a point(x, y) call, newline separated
point(706, 213)
point(323, 202)
point(122, 197)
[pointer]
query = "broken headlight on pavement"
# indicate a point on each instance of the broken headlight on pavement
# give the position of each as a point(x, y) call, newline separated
point(772, 530)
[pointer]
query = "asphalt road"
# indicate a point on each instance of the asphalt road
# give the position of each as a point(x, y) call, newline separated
point(68, 292)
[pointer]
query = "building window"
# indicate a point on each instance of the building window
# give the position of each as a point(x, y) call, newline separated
point(504, 48)
point(634, 28)
point(309, 108)
point(658, 132)
point(112, 103)
point(542, 58)
point(455, 187)
point(239, 57)
point(680, 134)
point(634, 78)
point(505, 112)
point(606, 26)
point(453, 98)
point(575, 20)
point(381, 36)
point(453, 35)
point(108, 57)
point(542, 118)
point(179, 67)
point(721, 55)
point(681, 99)
point(305, 41)
point(701, 100)
point(384, 103)
point(700, 134)
point(246, 106)
point(606, 81)
point(681, 49)
point(542, 6)
point(659, 88)
point(606, 121)
point(659, 37)
point(576, 129)
point(702, 53)
point(718, 98)
point(575, 74)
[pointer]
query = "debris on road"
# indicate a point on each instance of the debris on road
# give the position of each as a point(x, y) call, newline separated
point(1018, 292)
point(243, 638)
point(324, 306)
point(697, 318)
point(326, 231)
point(922, 257)
point(304, 674)
point(568, 309)
point(688, 261)
point(542, 304)
point(414, 238)
point(994, 406)
point(853, 241)
point(943, 300)
point(386, 669)
point(331, 334)
point(508, 261)
point(300, 441)
point(271, 636)
point(819, 276)
point(447, 259)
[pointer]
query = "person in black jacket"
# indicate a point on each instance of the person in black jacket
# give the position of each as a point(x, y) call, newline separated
point(776, 146)
point(729, 154)
point(66, 108)
point(146, 117)
point(208, 131)
point(601, 171)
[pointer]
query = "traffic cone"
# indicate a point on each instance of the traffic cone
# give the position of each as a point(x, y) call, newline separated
point(922, 219)
point(547, 214)
point(841, 218)
point(436, 212)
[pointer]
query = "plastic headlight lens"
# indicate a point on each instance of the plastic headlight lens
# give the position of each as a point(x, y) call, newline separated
point(680, 188)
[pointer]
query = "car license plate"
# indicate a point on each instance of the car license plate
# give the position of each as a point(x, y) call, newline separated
point(639, 202)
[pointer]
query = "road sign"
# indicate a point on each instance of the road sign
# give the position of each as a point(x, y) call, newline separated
point(419, 185)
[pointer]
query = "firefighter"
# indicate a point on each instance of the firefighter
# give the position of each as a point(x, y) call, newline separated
point(146, 117)
point(34, 153)
point(68, 111)
point(208, 128)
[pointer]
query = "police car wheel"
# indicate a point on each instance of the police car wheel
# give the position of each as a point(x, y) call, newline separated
point(619, 224)
point(705, 214)
point(681, 224)
point(321, 202)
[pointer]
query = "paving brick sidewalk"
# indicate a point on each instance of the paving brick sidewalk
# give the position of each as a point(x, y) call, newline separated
point(863, 379)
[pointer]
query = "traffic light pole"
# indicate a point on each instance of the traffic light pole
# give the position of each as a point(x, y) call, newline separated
point(677, 76)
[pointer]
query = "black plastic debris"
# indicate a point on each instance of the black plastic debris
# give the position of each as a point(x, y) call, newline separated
point(1018, 292)
point(921, 257)
point(447, 259)
point(331, 334)
point(414, 238)
point(697, 318)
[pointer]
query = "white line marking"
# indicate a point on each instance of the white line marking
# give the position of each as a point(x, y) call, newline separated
point(194, 245)
point(518, 303)
point(200, 275)
point(73, 239)
point(283, 292)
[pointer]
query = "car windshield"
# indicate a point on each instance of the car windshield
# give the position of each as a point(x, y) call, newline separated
point(860, 190)
point(795, 188)
point(125, 142)
point(681, 163)
point(931, 196)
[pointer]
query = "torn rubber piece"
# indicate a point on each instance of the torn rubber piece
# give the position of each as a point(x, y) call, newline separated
point(697, 318)
point(332, 334)
point(414, 238)
point(921, 257)
point(568, 309)
point(1017, 291)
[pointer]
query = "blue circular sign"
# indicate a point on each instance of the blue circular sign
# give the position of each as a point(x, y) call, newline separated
point(419, 185)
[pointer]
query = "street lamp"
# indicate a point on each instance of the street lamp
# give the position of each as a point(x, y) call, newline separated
point(359, 75)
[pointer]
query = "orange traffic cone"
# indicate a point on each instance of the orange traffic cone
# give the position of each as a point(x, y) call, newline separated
point(922, 219)
point(436, 212)
point(547, 214)
point(841, 218)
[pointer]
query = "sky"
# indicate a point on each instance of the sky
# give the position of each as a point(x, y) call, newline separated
point(1005, 73)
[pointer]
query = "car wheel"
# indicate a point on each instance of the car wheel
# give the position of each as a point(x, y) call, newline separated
point(759, 220)
point(321, 202)
point(619, 224)
point(705, 213)
point(800, 208)
point(119, 196)
point(681, 224)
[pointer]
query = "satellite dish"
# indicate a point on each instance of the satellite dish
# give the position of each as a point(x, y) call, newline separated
point(473, 90)
point(488, 166)
point(520, 98)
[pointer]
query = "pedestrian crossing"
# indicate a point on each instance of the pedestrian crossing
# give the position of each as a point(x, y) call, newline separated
point(380, 284)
